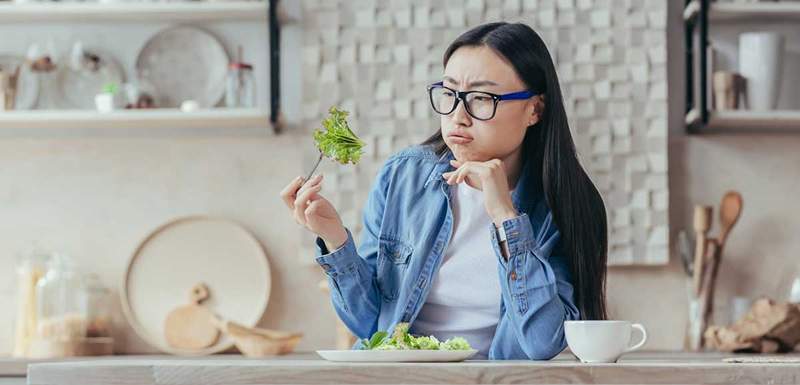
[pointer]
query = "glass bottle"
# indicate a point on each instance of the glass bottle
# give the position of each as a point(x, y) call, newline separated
point(62, 305)
point(30, 270)
point(240, 89)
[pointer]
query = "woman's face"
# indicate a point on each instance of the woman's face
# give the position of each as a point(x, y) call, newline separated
point(481, 69)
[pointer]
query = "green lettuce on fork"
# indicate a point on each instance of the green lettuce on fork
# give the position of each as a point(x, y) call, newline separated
point(337, 141)
point(402, 340)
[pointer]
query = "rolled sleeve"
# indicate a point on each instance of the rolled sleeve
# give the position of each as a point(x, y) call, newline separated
point(339, 261)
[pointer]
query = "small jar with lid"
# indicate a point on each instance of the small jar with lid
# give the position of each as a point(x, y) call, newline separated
point(62, 302)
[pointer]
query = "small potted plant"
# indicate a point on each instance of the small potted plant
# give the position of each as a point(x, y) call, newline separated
point(106, 100)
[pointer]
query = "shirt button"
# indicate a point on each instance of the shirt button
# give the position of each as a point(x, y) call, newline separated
point(514, 275)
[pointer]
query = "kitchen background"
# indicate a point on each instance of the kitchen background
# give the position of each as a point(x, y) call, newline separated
point(95, 193)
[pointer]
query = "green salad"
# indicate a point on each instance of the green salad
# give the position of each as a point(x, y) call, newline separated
point(400, 339)
point(337, 141)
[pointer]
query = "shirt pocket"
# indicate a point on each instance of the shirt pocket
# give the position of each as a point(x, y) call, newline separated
point(393, 256)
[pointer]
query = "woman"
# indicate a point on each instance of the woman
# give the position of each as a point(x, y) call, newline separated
point(490, 229)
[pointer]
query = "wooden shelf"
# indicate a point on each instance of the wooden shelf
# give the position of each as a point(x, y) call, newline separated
point(151, 118)
point(753, 121)
point(730, 12)
point(187, 11)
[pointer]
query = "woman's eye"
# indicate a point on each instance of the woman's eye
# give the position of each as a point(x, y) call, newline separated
point(448, 93)
point(482, 98)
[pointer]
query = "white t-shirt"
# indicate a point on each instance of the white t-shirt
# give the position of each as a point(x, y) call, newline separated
point(464, 299)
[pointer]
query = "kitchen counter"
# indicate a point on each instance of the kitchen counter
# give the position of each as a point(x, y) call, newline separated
point(640, 368)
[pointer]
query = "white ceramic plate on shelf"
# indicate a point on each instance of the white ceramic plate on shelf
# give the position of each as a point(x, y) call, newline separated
point(184, 63)
point(220, 253)
point(396, 355)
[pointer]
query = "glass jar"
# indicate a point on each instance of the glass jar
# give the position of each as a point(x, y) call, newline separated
point(62, 302)
point(30, 269)
point(240, 91)
point(98, 299)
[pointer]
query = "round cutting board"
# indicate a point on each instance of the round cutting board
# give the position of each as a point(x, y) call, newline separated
point(177, 255)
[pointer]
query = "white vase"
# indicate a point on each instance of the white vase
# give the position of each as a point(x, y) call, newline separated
point(761, 64)
point(104, 102)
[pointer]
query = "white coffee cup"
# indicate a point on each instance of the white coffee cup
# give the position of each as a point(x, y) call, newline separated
point(601, 341)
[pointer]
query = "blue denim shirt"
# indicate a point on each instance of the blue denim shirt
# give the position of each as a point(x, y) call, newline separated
point(408, 222)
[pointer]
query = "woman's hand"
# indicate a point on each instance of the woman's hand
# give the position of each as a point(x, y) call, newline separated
point(489, 177)
point(314, 212)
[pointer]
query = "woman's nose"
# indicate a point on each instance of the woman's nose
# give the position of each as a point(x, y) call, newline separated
point(460, 116)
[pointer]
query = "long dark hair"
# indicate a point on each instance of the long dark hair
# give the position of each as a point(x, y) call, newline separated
point(577, 207)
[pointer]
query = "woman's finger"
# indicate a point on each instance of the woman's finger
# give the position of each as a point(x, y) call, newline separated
point(314, 181)
point(301, 202)
point(289, 193)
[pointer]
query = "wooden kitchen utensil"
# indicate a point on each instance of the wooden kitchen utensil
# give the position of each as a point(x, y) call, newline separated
point(258, 342)
point(729, 211)
point(221, 253)
point(702, 223)
point(192, 326)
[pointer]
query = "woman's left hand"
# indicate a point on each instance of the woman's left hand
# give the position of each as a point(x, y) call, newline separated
point(489, 177)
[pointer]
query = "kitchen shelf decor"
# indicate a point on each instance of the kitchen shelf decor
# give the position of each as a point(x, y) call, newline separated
point(700, 117)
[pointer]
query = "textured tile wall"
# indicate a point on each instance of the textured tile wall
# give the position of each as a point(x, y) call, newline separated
point(374, 58)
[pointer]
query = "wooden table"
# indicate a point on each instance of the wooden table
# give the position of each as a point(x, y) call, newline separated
point(638, 368)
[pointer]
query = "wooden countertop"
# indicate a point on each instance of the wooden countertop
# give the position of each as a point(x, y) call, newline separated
point(308, 368)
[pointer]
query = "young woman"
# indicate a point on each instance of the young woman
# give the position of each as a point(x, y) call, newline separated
point(490, 229)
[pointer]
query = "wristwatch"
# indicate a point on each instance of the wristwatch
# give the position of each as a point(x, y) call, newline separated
point(501, 233)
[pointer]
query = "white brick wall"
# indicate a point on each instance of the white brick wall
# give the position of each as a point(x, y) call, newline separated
point(375, 58)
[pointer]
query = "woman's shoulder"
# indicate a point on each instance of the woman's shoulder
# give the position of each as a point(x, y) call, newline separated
point(411, 163)
point(418, 152)
point(417, 155)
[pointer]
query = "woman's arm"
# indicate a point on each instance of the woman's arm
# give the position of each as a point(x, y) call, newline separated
point(536, 289)
point(351, 271)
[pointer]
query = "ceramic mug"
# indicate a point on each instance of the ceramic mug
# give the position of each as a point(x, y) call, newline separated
point(602, 341)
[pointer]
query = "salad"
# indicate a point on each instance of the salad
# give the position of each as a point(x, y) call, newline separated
point(400, 339)
point(337, 141)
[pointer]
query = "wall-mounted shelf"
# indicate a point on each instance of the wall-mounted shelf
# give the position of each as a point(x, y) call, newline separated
point(730, 12)
point(751, 121)
point(188, 11)
point(149, 118)
point(260, 11)
point(699, 118)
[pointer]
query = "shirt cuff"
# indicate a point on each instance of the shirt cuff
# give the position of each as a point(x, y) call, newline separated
point(519, 236)
point(339, 260)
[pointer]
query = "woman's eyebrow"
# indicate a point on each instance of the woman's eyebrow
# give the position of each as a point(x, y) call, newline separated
point(477, 83)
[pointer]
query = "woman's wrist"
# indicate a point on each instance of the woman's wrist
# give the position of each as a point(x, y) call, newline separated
point(335, 241)
point(503, 216)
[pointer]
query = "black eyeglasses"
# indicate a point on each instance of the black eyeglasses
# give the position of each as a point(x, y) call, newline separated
point(479, 104)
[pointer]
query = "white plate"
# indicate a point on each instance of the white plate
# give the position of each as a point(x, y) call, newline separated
point(396, 355)
point(176, 256)
point(184, 63)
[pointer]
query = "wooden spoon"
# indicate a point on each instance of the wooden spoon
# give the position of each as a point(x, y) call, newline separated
point(702, 223)
point(192, 326)
point(729, 211)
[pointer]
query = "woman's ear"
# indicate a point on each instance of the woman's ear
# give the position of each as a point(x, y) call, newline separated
point(537, 110)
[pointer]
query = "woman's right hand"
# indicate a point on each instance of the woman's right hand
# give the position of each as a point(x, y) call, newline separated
point(314, 212)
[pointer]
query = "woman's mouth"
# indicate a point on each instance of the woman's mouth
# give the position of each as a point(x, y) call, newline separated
point(458, 137)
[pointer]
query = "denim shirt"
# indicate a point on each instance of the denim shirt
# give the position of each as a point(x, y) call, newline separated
point(408, 222)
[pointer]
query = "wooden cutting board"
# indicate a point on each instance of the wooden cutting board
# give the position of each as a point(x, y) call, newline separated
point(174, 257)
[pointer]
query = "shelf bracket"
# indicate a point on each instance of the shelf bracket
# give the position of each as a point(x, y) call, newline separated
point(274, 66)
point(696, 49)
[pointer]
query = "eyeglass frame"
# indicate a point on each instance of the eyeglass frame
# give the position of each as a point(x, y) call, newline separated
point(462, 96)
